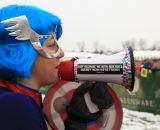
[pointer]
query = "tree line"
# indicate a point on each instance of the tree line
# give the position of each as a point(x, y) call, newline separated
point(140, 44)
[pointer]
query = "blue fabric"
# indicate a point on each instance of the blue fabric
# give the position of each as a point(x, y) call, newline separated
point(19, 112)
point(146, 66)
point(91, 123)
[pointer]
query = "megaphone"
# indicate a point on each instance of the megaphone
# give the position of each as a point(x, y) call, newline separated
point(117, 68)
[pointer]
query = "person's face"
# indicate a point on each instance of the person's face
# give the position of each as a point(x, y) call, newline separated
point(45, 70)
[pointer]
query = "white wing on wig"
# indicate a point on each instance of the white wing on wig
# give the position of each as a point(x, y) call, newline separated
point(20, 28)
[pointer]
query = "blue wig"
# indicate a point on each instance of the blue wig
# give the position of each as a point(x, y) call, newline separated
point(17, 57)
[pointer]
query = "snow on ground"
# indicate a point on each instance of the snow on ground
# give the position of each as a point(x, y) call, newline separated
point(133, 120)
point(147, 54)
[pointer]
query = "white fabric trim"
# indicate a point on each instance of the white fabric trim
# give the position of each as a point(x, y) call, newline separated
point(91, 106)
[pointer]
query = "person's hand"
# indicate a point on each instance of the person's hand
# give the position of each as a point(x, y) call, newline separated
point(100, 96)
point(78, 112)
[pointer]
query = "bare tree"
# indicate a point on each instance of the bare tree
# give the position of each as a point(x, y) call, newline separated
point(129, 43)
point(102, 50)
point(155, 46)
point(96, 47)
point(108, 52)
point(81, 46)
point(142, 44)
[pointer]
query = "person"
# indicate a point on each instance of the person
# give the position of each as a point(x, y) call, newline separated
point(154, 66)
point(29, 59)
point(151, 65)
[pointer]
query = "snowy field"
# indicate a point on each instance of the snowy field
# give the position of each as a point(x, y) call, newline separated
point(133, 120)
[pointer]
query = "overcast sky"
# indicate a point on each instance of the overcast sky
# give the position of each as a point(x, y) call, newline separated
point(110, 22)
